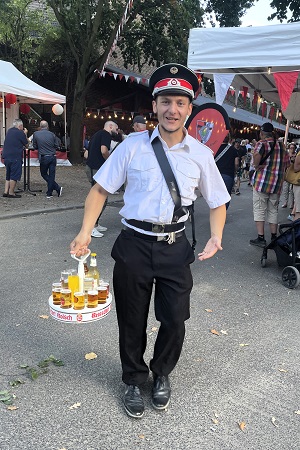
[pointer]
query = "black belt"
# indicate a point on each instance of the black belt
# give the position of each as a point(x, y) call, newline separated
point(148, 237)
point(155, 227)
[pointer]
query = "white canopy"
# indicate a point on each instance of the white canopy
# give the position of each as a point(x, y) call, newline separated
point(14, 82)
point(249, 52)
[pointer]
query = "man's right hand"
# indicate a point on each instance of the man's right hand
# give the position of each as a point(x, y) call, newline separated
point(79, 246)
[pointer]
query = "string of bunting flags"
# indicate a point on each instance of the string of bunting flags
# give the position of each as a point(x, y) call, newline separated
point(122, 23)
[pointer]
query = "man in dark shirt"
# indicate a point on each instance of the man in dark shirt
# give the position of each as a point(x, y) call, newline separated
point(227, 162)
point(47, 143)
point(98, 152)
point(14, 144)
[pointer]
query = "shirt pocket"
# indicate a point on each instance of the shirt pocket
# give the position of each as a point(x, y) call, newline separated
point(187, 177)
point(144, 173)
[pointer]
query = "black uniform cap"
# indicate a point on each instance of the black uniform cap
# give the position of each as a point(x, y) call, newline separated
point(173, 79)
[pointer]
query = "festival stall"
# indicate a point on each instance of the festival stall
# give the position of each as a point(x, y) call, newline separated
point(17, 93)
point(262, 63)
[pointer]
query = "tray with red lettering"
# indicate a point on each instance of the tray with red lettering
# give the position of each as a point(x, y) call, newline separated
point(84, 315)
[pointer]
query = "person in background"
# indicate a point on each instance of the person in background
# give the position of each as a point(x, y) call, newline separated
point(47, 144)
point(267, 182)
point(98, 153)
point(241, 149)
point(287, 190)
point(152, 250)
point(296, 189)
point(139, 123)
point(15, 142)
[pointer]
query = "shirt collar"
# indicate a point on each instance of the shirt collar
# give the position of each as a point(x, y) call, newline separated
point(181, 145)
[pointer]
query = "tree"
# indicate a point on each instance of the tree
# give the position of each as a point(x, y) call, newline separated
point(23, 33)
point(283, 7)
point(227, 13)
point(90, 27)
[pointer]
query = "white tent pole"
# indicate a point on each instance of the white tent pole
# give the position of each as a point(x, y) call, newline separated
point(3, 118)
point(286, 131)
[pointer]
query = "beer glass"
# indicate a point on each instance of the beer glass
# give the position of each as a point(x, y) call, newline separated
point(92, 299)
point(56, 288)
point(102, 294)
point(88, 284)
point(64, 276)
point(79, 301)
point(65, 298)
point(73, 282)
point(106, 284)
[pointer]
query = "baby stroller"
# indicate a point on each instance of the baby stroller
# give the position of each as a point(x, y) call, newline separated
point(287, 249)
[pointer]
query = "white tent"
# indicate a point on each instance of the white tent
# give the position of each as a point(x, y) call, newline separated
point(12, 81)
point(251, 54)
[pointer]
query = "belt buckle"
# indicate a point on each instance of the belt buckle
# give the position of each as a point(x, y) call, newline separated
point(157, 228)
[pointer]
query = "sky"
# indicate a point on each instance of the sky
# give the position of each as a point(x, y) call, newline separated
point(258, 14)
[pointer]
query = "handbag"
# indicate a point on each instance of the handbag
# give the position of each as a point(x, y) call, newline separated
point(291, 176)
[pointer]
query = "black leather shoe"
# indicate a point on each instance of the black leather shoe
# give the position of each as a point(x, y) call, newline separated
point(133, 402)
point(161, 392)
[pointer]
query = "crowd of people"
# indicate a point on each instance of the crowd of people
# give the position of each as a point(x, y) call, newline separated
point(263, 165)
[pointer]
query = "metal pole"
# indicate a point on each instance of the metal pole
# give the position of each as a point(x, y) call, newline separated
point(3, 119)
point(286, 131)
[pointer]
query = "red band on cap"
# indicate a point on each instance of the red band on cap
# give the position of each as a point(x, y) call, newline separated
point(174, 83)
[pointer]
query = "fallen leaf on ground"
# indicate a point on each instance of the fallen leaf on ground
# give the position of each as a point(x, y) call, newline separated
point(273, 420)
point(282, 370)
point(208, 310)
point(242, 425)
point(75, 406)
point(44, 316)
point(141, 436)
point(12, 408)
point(244, 345)
point(215, 332)
point(91, 355)
point(215, 421)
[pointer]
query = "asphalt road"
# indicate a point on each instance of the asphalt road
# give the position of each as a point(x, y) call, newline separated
point(248, 374)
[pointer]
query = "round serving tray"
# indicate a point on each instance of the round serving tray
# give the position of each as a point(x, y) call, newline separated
point(84, 315)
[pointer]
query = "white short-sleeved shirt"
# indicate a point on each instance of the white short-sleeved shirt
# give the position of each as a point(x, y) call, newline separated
point(147, 196)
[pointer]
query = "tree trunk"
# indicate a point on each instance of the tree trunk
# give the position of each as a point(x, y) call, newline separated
point(75, 122)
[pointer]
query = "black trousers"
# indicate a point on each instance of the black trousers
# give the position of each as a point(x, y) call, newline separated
point(138, 263)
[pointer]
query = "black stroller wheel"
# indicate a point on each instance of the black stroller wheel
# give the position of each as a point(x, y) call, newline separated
point(263, 262)
point(290, 277)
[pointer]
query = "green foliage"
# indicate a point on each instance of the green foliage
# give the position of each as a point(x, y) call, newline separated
point(227, 13)
point(157, 31)
point(23, 33)
point(285, 7)
point(33, 372)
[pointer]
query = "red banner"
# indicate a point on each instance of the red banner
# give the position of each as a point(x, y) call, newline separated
point(285, 82)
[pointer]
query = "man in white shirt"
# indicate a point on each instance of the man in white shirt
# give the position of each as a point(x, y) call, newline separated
point(152, 247)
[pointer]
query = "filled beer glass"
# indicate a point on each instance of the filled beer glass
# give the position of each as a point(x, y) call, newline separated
point(92, 301)
point(106, 284)
point(79, 301)
point(56, 288)
point(102, 294)
point(65, 298)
